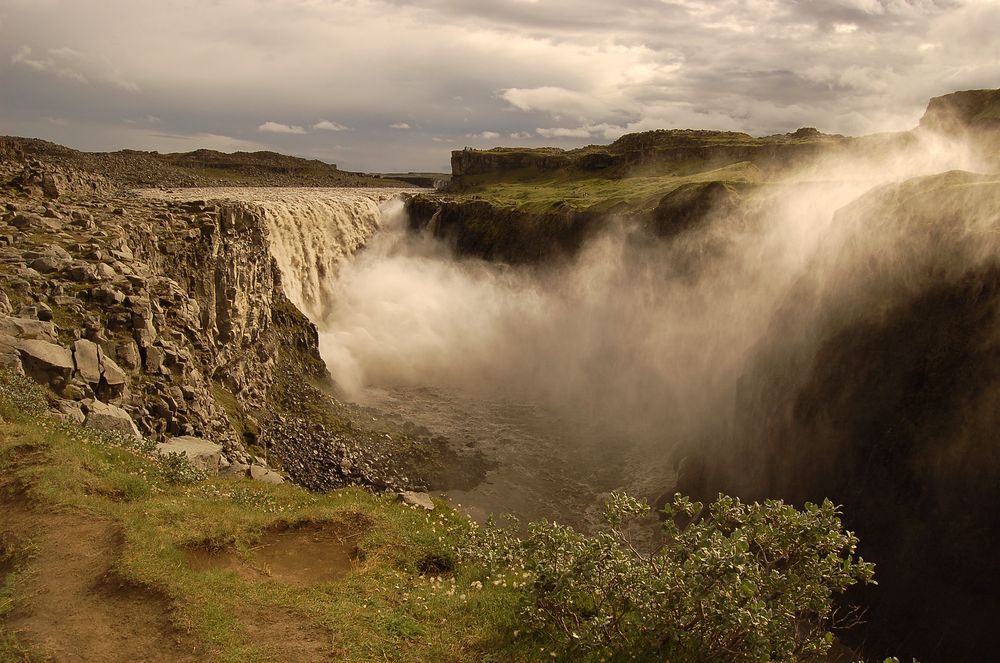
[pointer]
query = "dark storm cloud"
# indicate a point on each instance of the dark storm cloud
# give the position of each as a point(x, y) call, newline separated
point(408, 81)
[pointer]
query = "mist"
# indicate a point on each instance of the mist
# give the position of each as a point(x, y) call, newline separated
point(646, 339)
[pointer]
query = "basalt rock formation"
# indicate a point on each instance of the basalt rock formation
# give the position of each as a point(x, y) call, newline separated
point(169, 320)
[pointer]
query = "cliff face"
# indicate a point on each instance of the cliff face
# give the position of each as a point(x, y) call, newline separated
point(182, 299)
point(877, 389)
point(479, 228)
point(652, 151)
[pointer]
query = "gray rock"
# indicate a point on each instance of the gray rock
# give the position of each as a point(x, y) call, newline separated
point(87, 355)
point(103, 416)
point(235, 469)
point(44, 362)
point(264, 474)
point(128, 356)
point(70, 411)
point(154, 360)
point(415, 499)
point(10, 360)
point(200, 453)
point(114, 377)
point(27, 329)
point(107, 272)
point(81, 273)
point(48, 264)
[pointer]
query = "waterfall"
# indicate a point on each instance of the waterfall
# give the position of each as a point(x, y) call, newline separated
point(313, 235)
point(312, 232)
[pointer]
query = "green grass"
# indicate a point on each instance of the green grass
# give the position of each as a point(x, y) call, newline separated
point(537, 191)
point(387, 608)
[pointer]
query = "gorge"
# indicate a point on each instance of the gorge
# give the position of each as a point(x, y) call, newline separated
point(796, 317)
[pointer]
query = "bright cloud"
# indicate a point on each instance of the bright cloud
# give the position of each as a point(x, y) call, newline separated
point(278, 128)
point(559, 72)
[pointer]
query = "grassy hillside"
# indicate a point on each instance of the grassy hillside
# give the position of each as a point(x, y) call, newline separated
point(538, 191)
point(174, 565)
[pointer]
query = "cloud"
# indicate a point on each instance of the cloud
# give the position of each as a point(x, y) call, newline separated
point(485, 135)
point(278, 128)
point(569, 72)
point(327, 125)
point(68, 63)
point(25, 56)
point(564, 132)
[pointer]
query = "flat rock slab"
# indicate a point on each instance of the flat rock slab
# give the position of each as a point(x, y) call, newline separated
point(88, 360)
point(199, 452)
point(415, 499)
point(42, 361)
point(25, 328)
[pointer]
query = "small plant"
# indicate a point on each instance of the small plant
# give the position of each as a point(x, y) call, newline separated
point(178, 470)
point(732, 582)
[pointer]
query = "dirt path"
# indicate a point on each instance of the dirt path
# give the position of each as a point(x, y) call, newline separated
point(77, 609)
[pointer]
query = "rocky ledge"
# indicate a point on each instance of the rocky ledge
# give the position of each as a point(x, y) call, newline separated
point(168, 320)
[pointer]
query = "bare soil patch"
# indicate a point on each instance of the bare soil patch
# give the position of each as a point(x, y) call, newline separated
point(76, 608)
point(302, 555)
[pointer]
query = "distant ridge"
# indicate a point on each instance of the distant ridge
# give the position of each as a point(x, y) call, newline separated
point(135, 168)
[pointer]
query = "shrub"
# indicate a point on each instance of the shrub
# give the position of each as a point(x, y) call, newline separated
point(731, 582)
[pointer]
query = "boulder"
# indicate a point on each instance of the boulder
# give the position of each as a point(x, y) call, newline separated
point(417, 500)
point(264, 474)
point(128, 356)
point(48, 264)
point(10, 360)
point(200, 453)
point(235, 470)
point(70, 411)
point(82, 273)
point(106, 417)
point(114, 377)
point(44, 362)
point(87, 355)
point(26, 328)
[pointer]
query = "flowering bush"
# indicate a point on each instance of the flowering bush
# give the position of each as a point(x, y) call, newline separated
point(732, 582)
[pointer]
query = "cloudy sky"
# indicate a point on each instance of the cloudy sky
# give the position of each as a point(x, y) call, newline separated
point(395, 85)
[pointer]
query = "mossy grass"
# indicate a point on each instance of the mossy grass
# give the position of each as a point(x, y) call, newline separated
point(536, 191)
point(396, 604)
